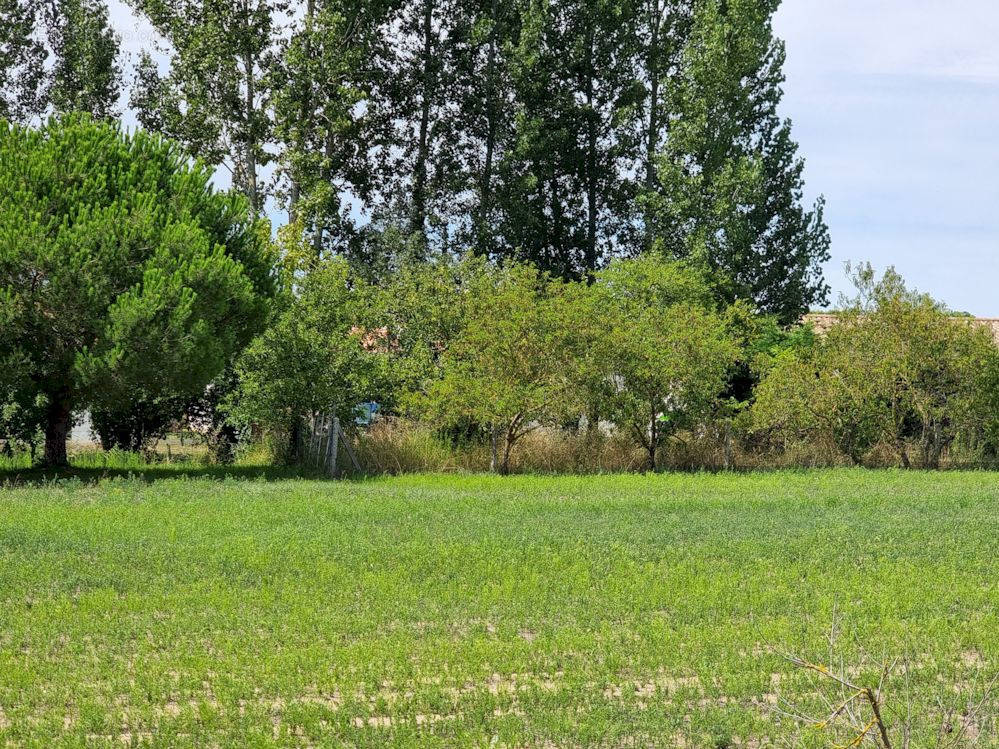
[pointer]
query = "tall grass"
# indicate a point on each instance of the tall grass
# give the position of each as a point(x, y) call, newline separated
point(393, 446)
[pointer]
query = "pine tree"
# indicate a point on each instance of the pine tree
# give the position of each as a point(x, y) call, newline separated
point(124, 277)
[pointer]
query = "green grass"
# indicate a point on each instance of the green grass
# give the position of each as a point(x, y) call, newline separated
point(475, 611)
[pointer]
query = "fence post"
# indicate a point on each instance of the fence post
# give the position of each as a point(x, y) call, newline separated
point(332, 446)
point(350, 451)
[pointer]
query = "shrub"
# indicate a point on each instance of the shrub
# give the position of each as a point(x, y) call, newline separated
point(321, 355)
point(510, 365)
point(897, 369)
point(663, 352)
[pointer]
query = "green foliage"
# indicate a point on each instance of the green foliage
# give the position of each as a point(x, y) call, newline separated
point(125, 277)
point(896, 369)
point(731, 179)
point(665, 352)
point(323, 86)
point(87, 75)
point(510, 365)
point(214, 99)
point(58, 57)
point(421, 309)
point(22, 62)
point(322, 354)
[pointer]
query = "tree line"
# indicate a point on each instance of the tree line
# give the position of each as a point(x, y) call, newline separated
point(131, 288)
point(502, 217)
point(562, 134)
point(645, 351)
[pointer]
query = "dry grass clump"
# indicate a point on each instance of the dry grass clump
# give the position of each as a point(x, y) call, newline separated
point(395, 446)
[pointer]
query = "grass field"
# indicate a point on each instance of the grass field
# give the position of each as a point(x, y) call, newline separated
point(477, 611)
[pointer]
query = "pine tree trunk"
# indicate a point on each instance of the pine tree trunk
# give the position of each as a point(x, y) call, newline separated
point(57, 427)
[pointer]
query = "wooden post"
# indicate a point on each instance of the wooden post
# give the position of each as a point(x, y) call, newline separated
point(332, 446)
point(350, 451)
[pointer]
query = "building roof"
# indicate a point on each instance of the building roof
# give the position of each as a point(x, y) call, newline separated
point(822, 321)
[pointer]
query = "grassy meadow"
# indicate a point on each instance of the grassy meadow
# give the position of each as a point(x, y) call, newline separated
point(263, 610)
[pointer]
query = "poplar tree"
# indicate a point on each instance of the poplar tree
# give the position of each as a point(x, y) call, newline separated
point(75, 38)
point(22, 59)
point(214, 99)
point(565, 192)
point(327, 121)
point(731, 179)
point(87, 74)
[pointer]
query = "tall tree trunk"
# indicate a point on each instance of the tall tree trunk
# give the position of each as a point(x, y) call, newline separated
point(58, 422)
point(304, 113)
point(485, 189)
point(419, 215)
point(652, 134)
point(590, 261)
point(251, 150)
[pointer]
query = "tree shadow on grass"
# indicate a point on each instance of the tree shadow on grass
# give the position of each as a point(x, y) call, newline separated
point(150, 473)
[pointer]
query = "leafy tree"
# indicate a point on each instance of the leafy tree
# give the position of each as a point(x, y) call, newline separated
point(662, 31)
point(322, 354)
point(327, 118)
point(731, 180)
point(897, 369)
point(215, 99)
point(421, 310)
point(562, 193)
point(22, 62)
point(87, 75)
point(85, 72)
point(510, 365)
point(665, 351)
point(822, 397)
point(124, 276)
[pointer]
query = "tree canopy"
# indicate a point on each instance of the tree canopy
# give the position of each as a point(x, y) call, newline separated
point(125, 277)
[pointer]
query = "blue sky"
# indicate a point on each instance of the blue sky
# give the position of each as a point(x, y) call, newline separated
point(895, 105)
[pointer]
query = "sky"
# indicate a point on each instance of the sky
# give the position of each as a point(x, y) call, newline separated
point(895, 106)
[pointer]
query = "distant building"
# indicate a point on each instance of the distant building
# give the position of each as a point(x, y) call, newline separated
point(822, 321)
